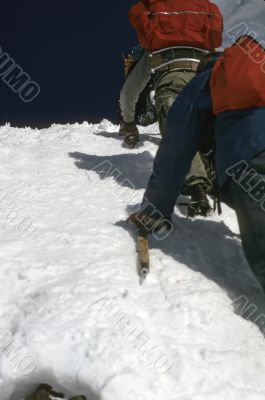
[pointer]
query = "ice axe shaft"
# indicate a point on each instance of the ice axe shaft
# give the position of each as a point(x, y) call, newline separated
point(143, 253)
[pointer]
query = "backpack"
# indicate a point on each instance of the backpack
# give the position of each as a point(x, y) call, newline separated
point(238, 77)
point(165, 23)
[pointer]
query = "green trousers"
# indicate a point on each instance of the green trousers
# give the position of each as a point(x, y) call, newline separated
point(168, 87)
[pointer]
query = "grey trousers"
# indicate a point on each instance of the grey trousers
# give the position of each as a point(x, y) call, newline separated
point(133, 86)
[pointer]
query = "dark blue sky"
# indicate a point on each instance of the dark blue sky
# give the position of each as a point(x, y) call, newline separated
point(72, 50)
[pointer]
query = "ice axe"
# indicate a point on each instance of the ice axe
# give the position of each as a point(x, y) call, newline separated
point(142, 247)
point(143, 253)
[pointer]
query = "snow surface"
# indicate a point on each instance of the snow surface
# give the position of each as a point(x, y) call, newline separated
point(72, 311)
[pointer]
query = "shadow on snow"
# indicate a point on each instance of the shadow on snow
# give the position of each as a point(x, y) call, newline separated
point(206, 246)
point(123, 168)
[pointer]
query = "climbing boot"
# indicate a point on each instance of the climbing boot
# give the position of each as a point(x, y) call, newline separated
point(199, 203)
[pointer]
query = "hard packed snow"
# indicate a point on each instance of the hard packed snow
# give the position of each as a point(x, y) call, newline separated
point(73, 313)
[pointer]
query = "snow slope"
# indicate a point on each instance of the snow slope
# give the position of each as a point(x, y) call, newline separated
point(243, 17)
point(72, 311)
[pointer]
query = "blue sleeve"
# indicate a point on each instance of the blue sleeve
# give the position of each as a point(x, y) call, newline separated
point(185, 127)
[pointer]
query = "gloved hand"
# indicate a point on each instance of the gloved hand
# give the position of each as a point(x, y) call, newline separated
point(127, 128)
point(131, 140)
point(148, 225)
point(130, 133)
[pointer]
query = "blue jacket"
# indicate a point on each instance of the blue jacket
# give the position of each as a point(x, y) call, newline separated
point(239, 135)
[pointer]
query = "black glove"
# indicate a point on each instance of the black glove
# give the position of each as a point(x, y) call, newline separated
point(131, 140)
